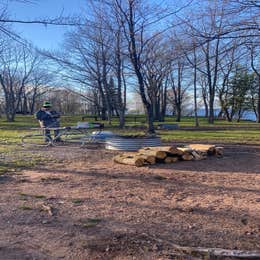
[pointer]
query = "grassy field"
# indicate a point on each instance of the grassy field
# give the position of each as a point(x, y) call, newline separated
point(14, 156)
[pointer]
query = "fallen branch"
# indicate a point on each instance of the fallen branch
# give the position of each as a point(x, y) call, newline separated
point(209, 253)
point(219, 151)
point(171, 159)
point(129, 160)
point(207, 148)
point(218, 252)
point(48, 208)
point(187, 157)
point(153, 152)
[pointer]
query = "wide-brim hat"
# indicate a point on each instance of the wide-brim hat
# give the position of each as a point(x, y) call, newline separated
point(46, 104)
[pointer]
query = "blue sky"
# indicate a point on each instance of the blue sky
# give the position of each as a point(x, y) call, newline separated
point(49, 37)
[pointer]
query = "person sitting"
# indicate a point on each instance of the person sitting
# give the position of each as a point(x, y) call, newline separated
point(48, 118)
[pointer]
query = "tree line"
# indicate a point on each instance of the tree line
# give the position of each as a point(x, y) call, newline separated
point(204, 51)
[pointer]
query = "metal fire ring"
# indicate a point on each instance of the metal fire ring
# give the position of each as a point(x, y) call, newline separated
point(128, 143)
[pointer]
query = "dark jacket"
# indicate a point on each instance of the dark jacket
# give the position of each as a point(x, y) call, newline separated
point(48, 120)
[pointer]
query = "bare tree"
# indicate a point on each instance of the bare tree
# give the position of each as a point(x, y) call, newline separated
point(177, 88)
point(133, 22)
point(254, 61)
point(16, 66)
point(212, 22)
point(156, 71)
point(227, 67)
point(191, 54)
point(138, 20)
point(40, 83)
point(6, 21)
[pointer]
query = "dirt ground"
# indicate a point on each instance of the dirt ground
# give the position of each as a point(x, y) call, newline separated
point(84, 206)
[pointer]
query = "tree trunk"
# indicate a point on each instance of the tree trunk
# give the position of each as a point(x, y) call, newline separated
point(163, 103)
point(178, 113)
point(211, 111)
point(103, 113)
point(195, 90)
point(106, 88)
point(121, 119)
point(157, 109)
point(149, 115)
point(136, 64)
point(258, 102)
point(10, 111)
point(179, 93)
point(227, 115)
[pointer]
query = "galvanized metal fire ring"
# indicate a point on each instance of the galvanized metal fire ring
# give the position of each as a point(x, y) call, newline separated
point(131, 143)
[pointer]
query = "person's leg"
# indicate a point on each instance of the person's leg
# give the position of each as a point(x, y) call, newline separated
point(56, 135)
point(47, 134)
point(57, 132)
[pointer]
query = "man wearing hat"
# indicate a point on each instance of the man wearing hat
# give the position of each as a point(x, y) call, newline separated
point(48, 118)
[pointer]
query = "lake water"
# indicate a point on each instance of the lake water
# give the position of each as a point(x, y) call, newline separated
point(248, 115)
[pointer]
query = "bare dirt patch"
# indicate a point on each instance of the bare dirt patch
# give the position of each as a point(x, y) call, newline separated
point(102, 210)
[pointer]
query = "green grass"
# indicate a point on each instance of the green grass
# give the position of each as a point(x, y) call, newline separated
point(39, 196)
point(77, 201)
point(227, 136)
point(90, 222)
point(51, 179)
point(3, 169)
point(36, 196)
point(14, 157)
point(159, 177)
point(24, 207)
point(22, 194)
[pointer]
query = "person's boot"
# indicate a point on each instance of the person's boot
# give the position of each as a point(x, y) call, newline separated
point(48, 139)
